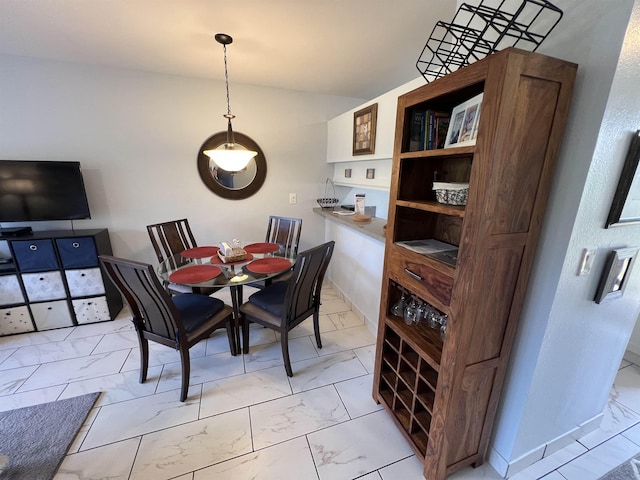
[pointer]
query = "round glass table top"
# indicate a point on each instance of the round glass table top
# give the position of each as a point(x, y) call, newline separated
point(199, 271)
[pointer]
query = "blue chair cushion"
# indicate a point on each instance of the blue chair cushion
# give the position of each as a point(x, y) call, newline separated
point(271, 298)
point(196, 309)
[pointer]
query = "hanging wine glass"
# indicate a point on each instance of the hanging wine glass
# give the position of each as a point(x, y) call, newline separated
point(443, 326)
point(420, 311)
point(410, 312)
point(431, 316)
point(397, 309)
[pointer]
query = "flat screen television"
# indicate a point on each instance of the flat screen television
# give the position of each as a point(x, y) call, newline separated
point(41, 190)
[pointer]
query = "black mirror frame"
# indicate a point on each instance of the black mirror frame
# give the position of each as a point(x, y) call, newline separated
point(218, 139)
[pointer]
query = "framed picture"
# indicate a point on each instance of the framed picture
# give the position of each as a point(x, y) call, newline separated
point(463, 126)
point(625, 208)
point(347, 173)
point(616, 274)
point(371, 173)
point(364, 130)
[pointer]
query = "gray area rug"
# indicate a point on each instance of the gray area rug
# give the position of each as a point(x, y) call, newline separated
point(35, 439)
point(629, 470)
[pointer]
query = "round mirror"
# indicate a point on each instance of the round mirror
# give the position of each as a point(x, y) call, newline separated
point(232, 185)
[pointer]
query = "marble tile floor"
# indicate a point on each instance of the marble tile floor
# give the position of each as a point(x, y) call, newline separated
point(244, 418)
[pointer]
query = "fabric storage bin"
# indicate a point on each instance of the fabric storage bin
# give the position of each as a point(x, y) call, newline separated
point(35, 255)
point(77, 252)
point(85, 282)
point(15, 320)
point(451, 193)
point(50, 315)
point(44, 286)
point(89, 310)
point(10, 291)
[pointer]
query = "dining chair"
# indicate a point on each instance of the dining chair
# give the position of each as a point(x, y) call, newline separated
point(179, 322)
point(285, 232)
point(282, 306)
point(170, 238)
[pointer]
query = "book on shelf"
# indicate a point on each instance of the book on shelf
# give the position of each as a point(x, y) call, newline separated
point(428, 129)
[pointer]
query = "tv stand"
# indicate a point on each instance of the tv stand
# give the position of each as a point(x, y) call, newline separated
point(14, 232)
point(54, 280)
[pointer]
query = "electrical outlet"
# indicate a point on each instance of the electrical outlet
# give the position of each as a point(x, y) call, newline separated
point(293, 198)
point(588, 256)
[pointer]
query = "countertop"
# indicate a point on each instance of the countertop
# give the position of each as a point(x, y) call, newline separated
point(372, 228)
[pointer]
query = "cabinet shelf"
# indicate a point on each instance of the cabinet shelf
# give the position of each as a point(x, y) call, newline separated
point(433, 206)
point(450, 152)
point(424, 340)
point(419, 377)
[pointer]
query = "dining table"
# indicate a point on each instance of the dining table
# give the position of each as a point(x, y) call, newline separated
point(203, 267)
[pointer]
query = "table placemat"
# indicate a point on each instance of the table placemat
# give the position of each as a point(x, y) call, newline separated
point(195, 274)
point(262, 247)
point(269, 265)
point(200, 252)
point(218, 261)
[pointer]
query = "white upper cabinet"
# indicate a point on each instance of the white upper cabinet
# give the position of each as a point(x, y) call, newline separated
point(340, 128)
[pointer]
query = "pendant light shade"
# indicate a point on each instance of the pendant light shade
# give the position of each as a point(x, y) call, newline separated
point(229, 156)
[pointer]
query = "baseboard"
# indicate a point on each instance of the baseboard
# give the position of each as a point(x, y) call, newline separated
point(508, 469)
point(371, 325)
point(632, 357)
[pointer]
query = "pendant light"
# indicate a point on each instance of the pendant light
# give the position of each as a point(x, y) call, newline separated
point(229, 156)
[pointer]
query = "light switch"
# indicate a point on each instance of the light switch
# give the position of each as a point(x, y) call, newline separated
point(293, 198)
point(588, 256)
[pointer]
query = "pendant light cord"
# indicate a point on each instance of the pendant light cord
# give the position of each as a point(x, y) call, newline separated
point(226, 79)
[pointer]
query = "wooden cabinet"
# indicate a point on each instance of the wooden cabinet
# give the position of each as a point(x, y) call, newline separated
point(443, 391)
point(54, 280)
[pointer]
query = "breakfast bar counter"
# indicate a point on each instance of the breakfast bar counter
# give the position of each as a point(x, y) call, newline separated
point(373, 228)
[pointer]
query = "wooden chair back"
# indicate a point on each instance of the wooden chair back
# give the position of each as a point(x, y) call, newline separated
point(285, 231)
point(154, 314)
point(169, 238)
point(303, 293)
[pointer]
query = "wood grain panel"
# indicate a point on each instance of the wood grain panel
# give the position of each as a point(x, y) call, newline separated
point(432, 283)
point(516, 175)
point(470, 407)
point(501, 268)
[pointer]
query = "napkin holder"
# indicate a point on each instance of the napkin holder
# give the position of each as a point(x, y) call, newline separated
point(231, 253)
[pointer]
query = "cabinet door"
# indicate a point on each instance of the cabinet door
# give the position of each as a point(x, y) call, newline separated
point(43, 286)
point(15, 320)
point(89, 310)
point(35, 255)
point(51, 315)
point(10, 291)
point(77, 252)
point(85, 282)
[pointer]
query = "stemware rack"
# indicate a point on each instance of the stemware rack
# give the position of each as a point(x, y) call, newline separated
point(480, 30)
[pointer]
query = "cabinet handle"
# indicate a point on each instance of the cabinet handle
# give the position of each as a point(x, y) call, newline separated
point(75, 244)
point(41, 279)
point(33, 247)
point(414, 275)
point(49, 308)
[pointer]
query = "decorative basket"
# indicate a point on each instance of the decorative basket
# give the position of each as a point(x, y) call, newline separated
point(231, 252)
point(326, 201)
point(451, 193)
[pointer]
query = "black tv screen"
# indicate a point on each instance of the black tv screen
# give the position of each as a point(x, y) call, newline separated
point(41, 190)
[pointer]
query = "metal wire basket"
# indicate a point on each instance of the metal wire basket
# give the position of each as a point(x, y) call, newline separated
point(481, 29)
point(326, 201)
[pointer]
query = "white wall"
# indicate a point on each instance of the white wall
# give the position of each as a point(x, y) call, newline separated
point(356, 270)
point(568, 348)
point(137, 136)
